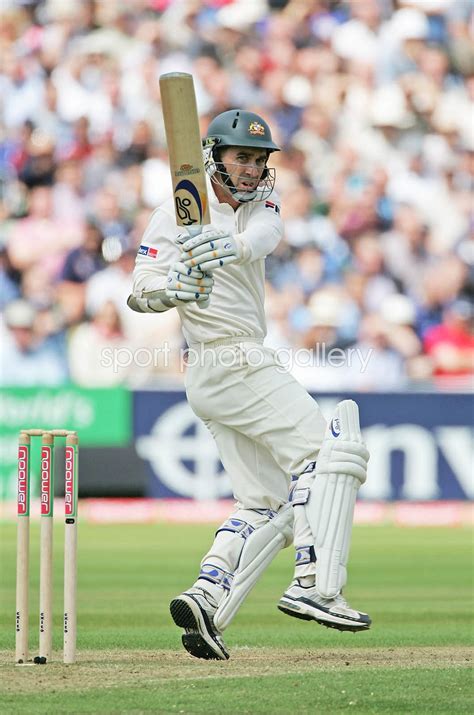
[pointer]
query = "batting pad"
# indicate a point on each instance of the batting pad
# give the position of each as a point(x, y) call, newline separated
point(340, 470)
point(259, 550)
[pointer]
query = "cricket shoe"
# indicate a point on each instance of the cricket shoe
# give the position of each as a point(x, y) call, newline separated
point(193, 610)
point(306, 603)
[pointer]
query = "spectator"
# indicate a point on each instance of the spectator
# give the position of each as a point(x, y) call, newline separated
point(384, 370)
point(40, 238)
point(91, 348)
point(80, 265)
point(21, 87)
point(28, 359)
point(38, 165)
point(368, 260)
point(68, 200)
point(309, 269)
point(373, 104)
point(9, 279)
point(404, 248)
point(441, 283)
point(450, 345)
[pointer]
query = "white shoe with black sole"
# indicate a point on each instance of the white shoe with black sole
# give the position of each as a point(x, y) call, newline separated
point(193, 610)
point(304, 602)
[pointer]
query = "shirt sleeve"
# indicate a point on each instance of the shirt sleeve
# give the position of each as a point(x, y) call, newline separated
point(264, 230)
point(157, 252)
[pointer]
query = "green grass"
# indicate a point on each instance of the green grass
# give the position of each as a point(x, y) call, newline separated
point(415, 583)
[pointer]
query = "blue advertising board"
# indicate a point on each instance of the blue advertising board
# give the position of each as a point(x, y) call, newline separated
point(421, 446)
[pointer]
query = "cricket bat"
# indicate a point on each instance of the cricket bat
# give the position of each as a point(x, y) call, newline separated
point(188, 175)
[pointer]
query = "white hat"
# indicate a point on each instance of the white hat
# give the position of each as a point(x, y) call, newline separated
point(61, 9)
point(409, 24)
point(105, 41)
point(435, 6)
point(241, 14)
point(19, 314)
point(389, 108)
point(298, 91)
point(326, 309)
point(398, 309)
point(355, 41)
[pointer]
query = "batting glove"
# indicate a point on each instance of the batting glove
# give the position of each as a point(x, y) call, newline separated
point(184, 286)
point(211, 249)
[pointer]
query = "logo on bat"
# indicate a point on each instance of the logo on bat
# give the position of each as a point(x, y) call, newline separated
point(186, 170)
point(189, 204)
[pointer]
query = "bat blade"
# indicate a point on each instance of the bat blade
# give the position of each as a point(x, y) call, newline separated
point(188, 175)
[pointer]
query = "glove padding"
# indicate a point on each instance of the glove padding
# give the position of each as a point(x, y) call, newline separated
point(187, 286)
point(210, 249)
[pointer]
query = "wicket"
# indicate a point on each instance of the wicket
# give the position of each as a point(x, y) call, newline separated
point(46, 544)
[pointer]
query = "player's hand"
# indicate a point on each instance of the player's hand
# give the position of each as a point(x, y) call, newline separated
point(210, 249)
point(184, 286)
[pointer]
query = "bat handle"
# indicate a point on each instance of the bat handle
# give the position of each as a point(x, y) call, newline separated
point(195, 231)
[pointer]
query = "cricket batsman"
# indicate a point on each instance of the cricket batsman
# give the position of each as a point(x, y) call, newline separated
point(294, 478)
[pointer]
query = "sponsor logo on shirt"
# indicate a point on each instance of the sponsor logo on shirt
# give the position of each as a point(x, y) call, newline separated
point(272, 206)
point(148, 251)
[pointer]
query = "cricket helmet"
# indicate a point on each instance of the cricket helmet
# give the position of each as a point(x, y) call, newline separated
point(238, 127)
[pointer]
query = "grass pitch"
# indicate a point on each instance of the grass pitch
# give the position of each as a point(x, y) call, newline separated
point(415, 583)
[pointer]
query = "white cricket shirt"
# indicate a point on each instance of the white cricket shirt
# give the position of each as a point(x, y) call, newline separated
point(236, 307)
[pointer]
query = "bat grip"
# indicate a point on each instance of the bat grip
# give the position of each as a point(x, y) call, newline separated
point(195, 231)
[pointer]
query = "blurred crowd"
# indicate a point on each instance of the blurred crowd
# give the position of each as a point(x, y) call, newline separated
point(372, 104)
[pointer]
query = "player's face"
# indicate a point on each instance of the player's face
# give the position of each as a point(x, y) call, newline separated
point(244, 166)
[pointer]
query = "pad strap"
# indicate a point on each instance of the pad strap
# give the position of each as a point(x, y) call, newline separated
point(237, 526)
point(214, 574)
point(259, 550)
point(299, 496)
point(305, 555)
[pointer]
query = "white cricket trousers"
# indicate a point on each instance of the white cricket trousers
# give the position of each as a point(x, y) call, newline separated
point(266, 426)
